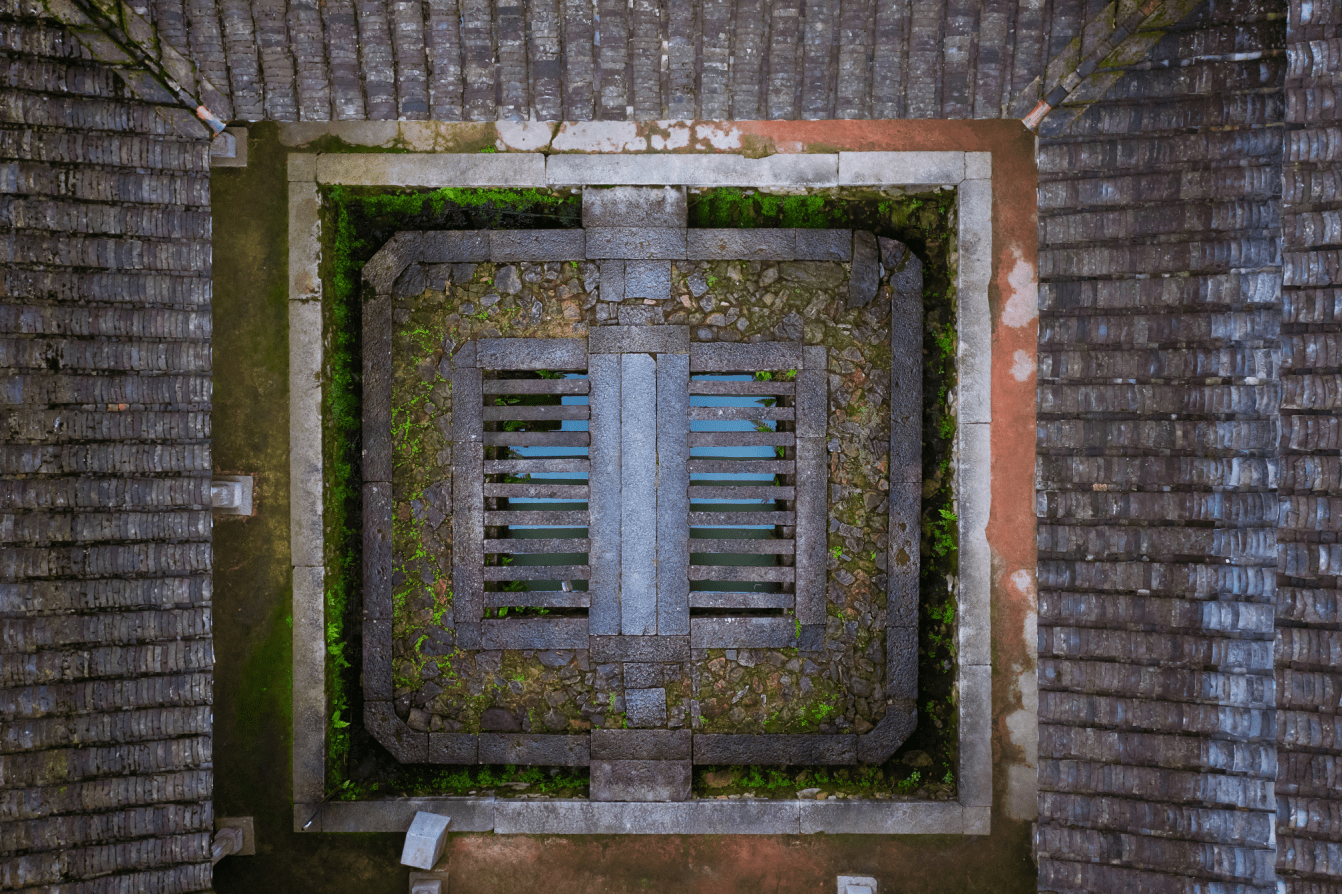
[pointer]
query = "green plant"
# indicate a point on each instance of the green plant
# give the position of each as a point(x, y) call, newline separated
point(835, 552)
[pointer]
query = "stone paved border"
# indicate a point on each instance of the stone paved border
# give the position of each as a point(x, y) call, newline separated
point(970, 173)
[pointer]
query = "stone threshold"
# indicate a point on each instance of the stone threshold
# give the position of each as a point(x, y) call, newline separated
point(969, 173)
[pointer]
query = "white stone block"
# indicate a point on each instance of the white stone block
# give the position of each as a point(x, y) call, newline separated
point(309, 689)
point(974, 271)
point(978, 165)
point(974, 490)
point(432, 169)
point(901, 168)
point(305, 432)
point(976, 746)
point(857, 884)
point(692, 170)
point(305, 249)
point(425, 840)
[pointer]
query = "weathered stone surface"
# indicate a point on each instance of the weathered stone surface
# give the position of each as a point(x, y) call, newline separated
point(377, 554)
point(812, 274)
point(377, 655)
point(641, 745)
point(640, 780)
point(425, 840)
point(751, 245)
point(473, 814)
point(413, 280)
point(647, 279)
point(773, 356)
point(797, 750)
point(906, 502)
point(534, 633)
point(864, 281)
point(639, 340)
point(536, 245)
point(901, 651)
point(641, 315)
point(634, 206)
point(532, 353)
point(824, 245)
point(812, 521)
point(500, 720)
point(405, 744)
point(533, 750)
point(603, 558)
point(640, 648)
point(611, 287)
point(882, 817)
point(635, 243)
point(877, 745)
point(453, 748)
point(673, 505)
point(645, 708)
point(743, 633)
point(638, 494)
point(694, 817)
point(454, 246)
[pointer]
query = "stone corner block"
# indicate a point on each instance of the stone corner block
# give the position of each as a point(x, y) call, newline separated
point(405, 744)
point(978, 165)
point(425, 840)
point(302, 167)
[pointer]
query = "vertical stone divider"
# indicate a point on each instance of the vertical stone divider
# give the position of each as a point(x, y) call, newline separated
point(603, 502)
point(468, 500)
point(377, 500)
point(673, 494)
point(638, 494)
point(812, 495)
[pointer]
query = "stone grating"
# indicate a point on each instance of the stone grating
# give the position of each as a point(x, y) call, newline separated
point(1159, 389)
point(105, 521)
point(1309, 559)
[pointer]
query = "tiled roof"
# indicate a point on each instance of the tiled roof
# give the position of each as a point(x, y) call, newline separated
point(1160, 282)
point(105, 562)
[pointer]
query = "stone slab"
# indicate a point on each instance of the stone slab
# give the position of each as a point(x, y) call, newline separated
point(639, 340)
point(976, 746)
point(475, 814)
point(824, 245)
point(978, 165)
point(635, 243)
point(770, 748)
point(647, 279)
point(533, 750)
point(302, 166)
point(742, 633)
point(534, 633)
point(305, 248)
point(693, 170)
point(771, 356)
point(377, 375)
point(974, 618)
point(638, 494)
point(978, 820)
point(633, 206)
point(611, 287)
point(673, 501)
point(640, 675)
point(905, 535)
point(744, 817)
point(424, 840)
point(864, 279)
point(377, 551)
point(906, 363)
point(974, 326)
point(431, 169)
point(377, 659)
point(306, 534)
point(894, 727)
point(603, 557)
point(405, 744)
point(812, 506)
point(812, 402)
point(536, 245)
point(645, 708)
point(639, 648)
point(532, 353)
point(454, 748)
point(383, 270)
point(309, 682)
point(901, 168)
point(751, 245)
point(468, 500)
point(641, 744)
point(641, 780)
point(454, 247)
point(881, 817)
point(857, 884)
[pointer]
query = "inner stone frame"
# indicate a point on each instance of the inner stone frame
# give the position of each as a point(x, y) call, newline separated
point(608, 531)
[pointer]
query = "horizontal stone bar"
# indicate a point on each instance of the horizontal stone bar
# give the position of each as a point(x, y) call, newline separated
point(524, 466)
point(795, 750)
point(536, 245)
point(742, 466)
point(639, 340)
point(636, 243)
point(533, 633)
point(708, 357)
point(533, 750)
point(824, 245)
point(738, 493)
point(552, 491)
point(466, 169)
point(453, 247)
point(536, 439)
point(561, 518)
point(537, 599)
point(741, 244)
point(742, 439)
point(532, 353)
point(693, 817)
point(783, 169)
point(521, 413)
point(770, 573)
point(536, 572)
point(743, 633)
point(473, 814)
point(748, 545)
point(641, 744)
point(716, 599)
point(538, 545)
point(700, 414)
point(537, 386)
point(640, 780)
point(632, 206)
point(772, 387)
point(882, 817)
point(639, 648)
point(739, 518)
point(905, 168)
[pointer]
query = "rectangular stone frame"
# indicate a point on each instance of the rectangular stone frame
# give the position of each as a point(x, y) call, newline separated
point(969, 172)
